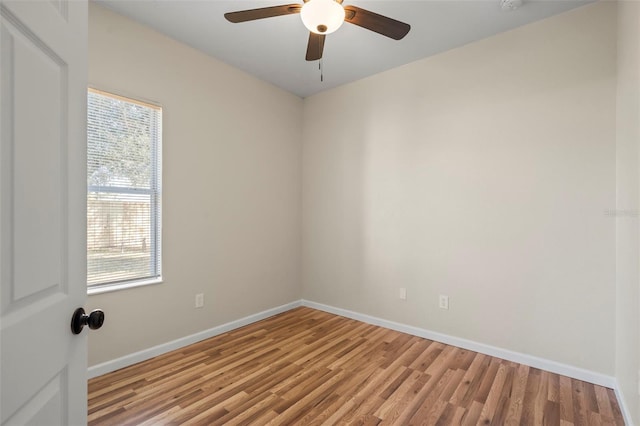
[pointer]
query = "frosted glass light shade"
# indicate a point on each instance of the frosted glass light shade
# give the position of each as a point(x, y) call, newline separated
point(322, 16)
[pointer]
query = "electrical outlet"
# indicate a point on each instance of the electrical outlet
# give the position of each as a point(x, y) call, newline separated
point(199, 300)
point(444, 302)
point(403, 293)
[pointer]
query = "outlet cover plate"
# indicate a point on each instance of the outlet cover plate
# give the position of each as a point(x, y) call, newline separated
point(199, 300)
point(443, 302)
point(403, 293)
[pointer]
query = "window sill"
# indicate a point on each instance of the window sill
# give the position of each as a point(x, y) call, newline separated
point(108, 288)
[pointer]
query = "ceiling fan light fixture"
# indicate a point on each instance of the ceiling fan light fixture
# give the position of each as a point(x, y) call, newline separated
point(510, 5)
point(322, 16)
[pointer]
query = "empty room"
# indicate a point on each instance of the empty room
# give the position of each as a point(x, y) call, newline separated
point(419, 212)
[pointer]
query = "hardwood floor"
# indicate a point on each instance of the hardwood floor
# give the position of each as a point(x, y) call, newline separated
point(310, 367)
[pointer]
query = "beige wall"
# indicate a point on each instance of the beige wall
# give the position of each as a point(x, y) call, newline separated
point(627, 187)
point(231, 196)
point(483, 173)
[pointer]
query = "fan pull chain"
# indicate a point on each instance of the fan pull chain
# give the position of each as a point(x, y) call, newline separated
point(321, 68)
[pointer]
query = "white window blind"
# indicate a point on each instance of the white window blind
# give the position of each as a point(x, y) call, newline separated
point(123, 190)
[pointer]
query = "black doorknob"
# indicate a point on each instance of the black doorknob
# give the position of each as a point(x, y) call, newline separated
point(79, 319)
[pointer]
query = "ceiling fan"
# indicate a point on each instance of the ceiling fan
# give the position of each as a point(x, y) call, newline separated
point(322, 17)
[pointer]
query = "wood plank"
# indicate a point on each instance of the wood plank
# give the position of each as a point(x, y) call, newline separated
point(472, 416)
point(514, 411)
point(604, 406)
point(580, 412)
point(501, 410)
point(566, 400)
point(617, 413)
point(491, 404)
point(529, 403)
point(473, 374)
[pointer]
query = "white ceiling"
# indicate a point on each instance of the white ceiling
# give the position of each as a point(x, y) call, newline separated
point(273, 49)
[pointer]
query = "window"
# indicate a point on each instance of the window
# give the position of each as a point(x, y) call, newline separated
point(123, 191)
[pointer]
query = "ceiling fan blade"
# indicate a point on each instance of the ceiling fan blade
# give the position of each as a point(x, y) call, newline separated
point(264, 12)
point(315, 46)
point(377, 23)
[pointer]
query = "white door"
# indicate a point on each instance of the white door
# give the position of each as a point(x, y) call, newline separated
point(43, 74)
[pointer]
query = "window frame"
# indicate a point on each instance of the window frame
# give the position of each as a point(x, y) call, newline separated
point(155, 199)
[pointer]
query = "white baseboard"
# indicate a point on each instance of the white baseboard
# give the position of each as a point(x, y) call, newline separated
point(530, 360)
point(624, 407)
point(134, 358)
